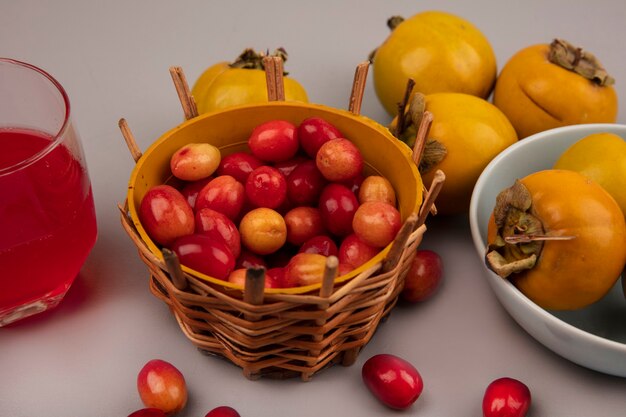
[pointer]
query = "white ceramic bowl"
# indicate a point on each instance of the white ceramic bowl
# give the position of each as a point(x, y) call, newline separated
point(594, 337)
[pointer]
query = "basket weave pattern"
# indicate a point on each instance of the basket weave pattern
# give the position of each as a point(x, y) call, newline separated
point(286, 335)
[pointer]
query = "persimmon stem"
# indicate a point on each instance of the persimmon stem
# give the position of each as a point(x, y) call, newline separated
point(534, 238)
point(401, 125)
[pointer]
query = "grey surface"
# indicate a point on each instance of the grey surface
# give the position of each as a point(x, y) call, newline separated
point(113, 58)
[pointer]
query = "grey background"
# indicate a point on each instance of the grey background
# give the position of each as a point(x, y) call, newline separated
point(113, 59)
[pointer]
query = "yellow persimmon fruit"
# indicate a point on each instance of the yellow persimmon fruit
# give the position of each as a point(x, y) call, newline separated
point(243, 81)
point(547, 86)
point(440, 51)
point(602, 158)
point(467, 132)
point(559, 237)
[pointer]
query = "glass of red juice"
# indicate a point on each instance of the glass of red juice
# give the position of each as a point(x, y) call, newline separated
point(47, 216)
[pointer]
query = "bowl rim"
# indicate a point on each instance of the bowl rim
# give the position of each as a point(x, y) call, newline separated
point(367, 268)
point(480, 245)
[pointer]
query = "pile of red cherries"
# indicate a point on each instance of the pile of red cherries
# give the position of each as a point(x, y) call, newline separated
point(297, 195)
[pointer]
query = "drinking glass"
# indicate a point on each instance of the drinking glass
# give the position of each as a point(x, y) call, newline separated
point(47, 216)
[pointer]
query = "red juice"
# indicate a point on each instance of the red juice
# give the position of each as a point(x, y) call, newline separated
point(47, 218)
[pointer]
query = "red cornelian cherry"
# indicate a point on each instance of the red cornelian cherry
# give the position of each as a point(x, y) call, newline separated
point(274, 141)
point(266, 187)
point(313, 132)
point(148, 412)
point(223, 411)
point(393, 380)
point(506, 397)
point(161, 385)
point(423, 277)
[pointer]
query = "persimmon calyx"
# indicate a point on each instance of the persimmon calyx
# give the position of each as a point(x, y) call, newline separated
point(399, 130)
point(513, 218)
point(417, 107)
point(582, 62)
point(520, 235)
point(410, 116)
point(434, 152)
point(394, 21)
point(405, 130)
point(251, 59)
point(498, 264)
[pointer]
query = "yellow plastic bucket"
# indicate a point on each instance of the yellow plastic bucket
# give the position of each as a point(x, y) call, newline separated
point(229, 130)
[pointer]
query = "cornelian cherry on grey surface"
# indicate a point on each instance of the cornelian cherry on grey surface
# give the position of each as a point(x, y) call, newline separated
point(148, 412)
point(223, 411)
point(423, 277)
point(506, 397)
point(161, 385)
point(393, 380)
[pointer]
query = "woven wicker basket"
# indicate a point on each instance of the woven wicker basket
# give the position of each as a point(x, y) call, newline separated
point(289, 332)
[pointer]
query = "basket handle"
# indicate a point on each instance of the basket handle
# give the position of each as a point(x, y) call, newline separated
point(358, 87)
point(397, 247)
point(428, 206)
point(421, 136)
point(187, 101)
point(274, 78)
point(254, 287)
point(184, 94)
point(413, 222)
point(129, 138)
point(402, 106)
point(418, 150)
point(173, 267)
point(326, 290)
point(330, 273)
